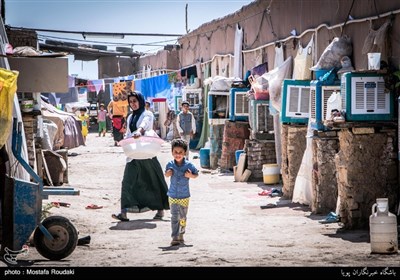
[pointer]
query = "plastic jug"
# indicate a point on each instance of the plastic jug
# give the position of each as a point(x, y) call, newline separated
point(383, 228)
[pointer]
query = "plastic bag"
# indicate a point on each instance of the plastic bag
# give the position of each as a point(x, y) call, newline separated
point(303, 61)
point(333, 53)
point(275, 78)
point(8, 87)
point(279, 59)
point(303, 192)
point(259, 86)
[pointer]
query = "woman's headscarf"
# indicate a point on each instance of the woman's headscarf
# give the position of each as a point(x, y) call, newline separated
point(136, 114)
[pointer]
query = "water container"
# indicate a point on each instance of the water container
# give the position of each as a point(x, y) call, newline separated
point(383, 228)
point(205, 157)
point(237, 155)
point(27, 106)
point(271, 173)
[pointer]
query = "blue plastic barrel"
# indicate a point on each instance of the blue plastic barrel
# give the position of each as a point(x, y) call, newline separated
point(205, 157)
point(237, 155)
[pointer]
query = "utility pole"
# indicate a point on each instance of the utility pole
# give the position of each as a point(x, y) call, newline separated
point(186, 18)
point(3, 10)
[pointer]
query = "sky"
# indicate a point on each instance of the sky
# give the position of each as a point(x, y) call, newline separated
point(120, 16)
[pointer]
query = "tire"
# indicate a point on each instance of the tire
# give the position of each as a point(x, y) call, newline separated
point(65, 238)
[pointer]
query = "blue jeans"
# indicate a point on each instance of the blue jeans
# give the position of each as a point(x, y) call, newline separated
point(178, 218)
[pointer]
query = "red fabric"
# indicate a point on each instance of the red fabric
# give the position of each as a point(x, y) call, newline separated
point(118, 122)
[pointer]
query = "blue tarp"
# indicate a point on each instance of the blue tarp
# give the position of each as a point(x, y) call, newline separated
point(150, 87)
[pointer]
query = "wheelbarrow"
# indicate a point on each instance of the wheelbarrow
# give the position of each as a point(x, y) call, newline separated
point(55, 237)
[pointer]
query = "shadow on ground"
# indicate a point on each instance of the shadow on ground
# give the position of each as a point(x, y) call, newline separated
point(134, 225)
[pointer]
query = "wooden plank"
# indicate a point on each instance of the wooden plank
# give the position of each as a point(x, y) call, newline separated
point(234, 173)
point(240, 166)
point(48, 176)
point(245, 176)
point(39, 160)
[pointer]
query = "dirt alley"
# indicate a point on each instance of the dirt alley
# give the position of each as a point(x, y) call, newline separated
point(226, 225)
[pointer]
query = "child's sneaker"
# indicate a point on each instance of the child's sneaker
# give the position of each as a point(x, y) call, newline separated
point(175, 241)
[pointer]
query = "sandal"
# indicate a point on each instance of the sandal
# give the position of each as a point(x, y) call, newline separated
point(265, 193)
point(330, 218)
point(157, 217)
point(120, 217)
point(93, 206)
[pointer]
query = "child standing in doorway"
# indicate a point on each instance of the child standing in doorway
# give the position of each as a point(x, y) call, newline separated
point(180, 170)
point(101, 120)
point(84, 118)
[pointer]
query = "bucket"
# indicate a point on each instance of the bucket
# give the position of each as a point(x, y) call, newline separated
point(374, 61)
point(27, 106)
point(237, 155)
point(320, 73)
point(383, 228)
point(271, 173)
point(205, 157)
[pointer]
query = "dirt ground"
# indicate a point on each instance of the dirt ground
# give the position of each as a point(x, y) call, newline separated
point(226, 227)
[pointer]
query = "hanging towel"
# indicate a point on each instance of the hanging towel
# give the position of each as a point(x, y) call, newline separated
point(238, 52)
point(279, 58)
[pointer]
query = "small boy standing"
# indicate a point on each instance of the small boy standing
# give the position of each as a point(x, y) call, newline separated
point(101, 120)
point(186, 125)
point(180, 170)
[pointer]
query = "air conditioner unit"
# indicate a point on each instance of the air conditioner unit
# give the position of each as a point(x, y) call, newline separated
point(239, 109)
point(260, 119)
point(192, 95)
point(158, 103)
point(295, 101)
point(320, 93)
point(178, 103)
point(218, 107)
point(365, 97)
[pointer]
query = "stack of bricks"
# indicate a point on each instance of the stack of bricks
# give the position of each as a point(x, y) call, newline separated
point(30, 129)
point(18, 38)
point(259, 152)
point(235, 135)
point(293, 147)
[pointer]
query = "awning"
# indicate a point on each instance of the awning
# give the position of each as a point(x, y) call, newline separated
point(84, 53)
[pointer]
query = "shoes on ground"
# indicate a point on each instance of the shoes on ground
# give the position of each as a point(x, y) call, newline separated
point(175, 241)
point(121, 217)
point(181, 239)
point(330, 218)
point(159, 215)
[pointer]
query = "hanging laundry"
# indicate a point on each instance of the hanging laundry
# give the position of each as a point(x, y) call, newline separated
point(375, 39)
point(279, 57)
point(8, 88)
